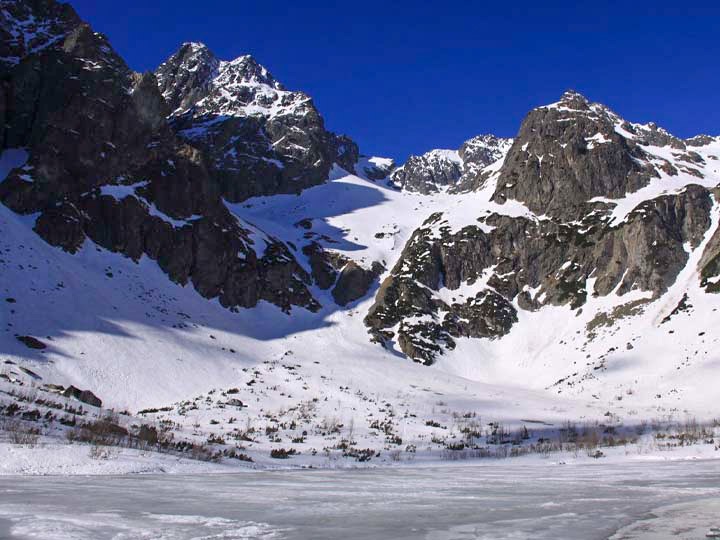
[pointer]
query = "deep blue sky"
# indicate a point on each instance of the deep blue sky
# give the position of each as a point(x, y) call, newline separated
point(404, 77)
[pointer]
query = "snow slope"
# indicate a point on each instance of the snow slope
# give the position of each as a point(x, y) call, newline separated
point(138, 341)
point(310, 380)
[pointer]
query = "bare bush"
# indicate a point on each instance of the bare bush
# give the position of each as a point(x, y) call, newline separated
point(20, 432)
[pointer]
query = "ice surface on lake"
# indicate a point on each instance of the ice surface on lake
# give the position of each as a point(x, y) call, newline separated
point(496, 501)
point(697, 519)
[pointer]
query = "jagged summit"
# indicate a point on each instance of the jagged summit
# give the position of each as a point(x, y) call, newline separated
point(571, 100)
point(570, 95)
point(185, 77)
point(454, 170)
point(259, 137)
point(195, 45)
point(194, 73)
point(431, 172)
point(245, 69)
point(201, 52)
point(572, 151)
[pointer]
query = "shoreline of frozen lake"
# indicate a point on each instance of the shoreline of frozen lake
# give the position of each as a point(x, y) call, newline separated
point(619, 501)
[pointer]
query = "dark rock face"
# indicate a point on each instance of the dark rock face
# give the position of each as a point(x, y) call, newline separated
point(29, 26)
point(569, 152)
point(258, 138)
point(186, 77)
point(709, 265)
point(85, 396)
point(349, 280)
point(354, 282)
point(105, 166)
point(427, 323)
point(323, 264)
point(31, 342)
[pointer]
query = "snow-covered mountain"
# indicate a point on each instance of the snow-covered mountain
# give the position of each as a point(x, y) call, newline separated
point(258, 137)
point(453, 170)
point(584, 206)
point(194, 242)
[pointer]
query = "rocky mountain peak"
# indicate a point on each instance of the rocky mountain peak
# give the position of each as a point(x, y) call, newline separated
point(246, 70)
point(572, 100)
point(609, 207)
point(477, 154)
point(259, 138)
point(484, 149)
point(195, 77)
point(193, 55)
point(185, 77)
point(455, 170)
point(430, 172)
point(571, 151)
point(102, 165)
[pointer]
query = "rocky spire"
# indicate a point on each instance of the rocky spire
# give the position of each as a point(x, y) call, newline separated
point(573, 100)
point(185, 77)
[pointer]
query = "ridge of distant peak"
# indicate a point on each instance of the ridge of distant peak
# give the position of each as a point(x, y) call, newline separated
point(569, 101)
point(195, 45)
point(572, 95)
point(247, 69)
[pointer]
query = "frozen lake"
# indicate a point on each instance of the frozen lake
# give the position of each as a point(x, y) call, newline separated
point(495, 501)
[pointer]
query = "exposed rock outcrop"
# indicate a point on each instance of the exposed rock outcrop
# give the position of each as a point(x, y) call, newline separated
point(430, 172)
point(85, 396)
point(354, 282)
point(531, 262)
